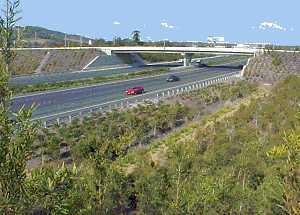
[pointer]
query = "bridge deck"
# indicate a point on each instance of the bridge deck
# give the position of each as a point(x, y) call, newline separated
point(139, 49)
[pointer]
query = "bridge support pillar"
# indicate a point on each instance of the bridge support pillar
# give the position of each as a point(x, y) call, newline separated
point(187, 60)
point(107, 52)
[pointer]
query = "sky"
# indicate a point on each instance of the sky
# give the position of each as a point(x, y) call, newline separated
point(274, 21)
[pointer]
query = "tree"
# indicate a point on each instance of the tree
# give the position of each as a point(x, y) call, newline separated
point(16, 131)
point(136, 36)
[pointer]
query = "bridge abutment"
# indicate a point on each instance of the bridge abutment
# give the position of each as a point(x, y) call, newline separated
point(187, 60)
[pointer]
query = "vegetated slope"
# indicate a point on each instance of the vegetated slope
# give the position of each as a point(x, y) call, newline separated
point(103, 179)
point(26, 62)
point(273, 66)
point(226, 166)
point(69, 60)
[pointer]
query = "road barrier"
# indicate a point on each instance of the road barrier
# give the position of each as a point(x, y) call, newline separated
point(129, 102)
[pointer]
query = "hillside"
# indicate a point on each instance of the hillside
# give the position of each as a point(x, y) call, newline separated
point(35, 36)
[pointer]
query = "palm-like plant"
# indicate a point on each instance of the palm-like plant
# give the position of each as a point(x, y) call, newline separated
point(136, 36)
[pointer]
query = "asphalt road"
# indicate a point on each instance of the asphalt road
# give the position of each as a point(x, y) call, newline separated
point(63, 100)
point(72, 76)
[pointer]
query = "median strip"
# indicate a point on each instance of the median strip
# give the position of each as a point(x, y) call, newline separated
point(76, 83)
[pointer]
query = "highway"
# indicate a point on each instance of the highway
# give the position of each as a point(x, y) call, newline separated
point(63, 100)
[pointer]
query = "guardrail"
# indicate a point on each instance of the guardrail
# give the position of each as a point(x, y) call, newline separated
point(155, 96)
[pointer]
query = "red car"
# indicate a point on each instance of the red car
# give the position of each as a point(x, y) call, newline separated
point(135, 91)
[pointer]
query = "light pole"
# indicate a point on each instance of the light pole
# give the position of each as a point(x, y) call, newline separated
point(65, 40)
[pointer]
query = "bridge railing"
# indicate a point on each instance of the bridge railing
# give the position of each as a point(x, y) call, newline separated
point(129, 102)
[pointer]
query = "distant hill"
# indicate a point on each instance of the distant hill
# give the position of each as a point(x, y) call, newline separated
point(39, 36)
point(35, 36)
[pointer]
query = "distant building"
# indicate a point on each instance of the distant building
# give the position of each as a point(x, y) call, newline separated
point(215, 40)
point(251, 45)
point(240, 45)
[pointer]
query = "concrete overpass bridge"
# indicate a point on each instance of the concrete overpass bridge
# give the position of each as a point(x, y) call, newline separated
point(186, 52)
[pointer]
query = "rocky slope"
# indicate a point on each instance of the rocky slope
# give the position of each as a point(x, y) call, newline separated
point(273, 66)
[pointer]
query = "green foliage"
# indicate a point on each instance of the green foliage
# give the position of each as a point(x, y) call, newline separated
point(222, 93)
point(289, 150)
point(112, 134)
point(232, 174)
point(276, 60)
point(17, 133)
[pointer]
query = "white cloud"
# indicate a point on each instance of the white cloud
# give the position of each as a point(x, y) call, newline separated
point(165, 24)
point(116, 23)
point(271, 25)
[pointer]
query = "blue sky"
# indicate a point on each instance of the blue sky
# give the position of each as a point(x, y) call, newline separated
point(188, 20)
